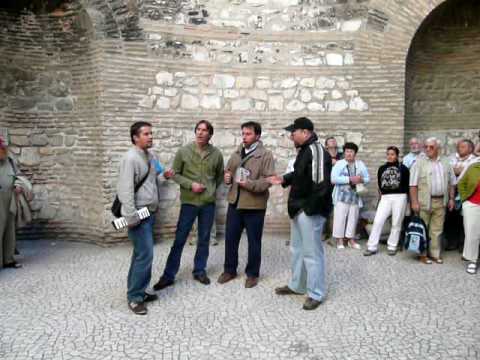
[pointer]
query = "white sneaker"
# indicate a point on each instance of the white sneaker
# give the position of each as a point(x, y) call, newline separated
point(354, 245)
point(340, 244)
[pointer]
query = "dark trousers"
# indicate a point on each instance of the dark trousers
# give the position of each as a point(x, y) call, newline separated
point(188, 214)
point(252, 221)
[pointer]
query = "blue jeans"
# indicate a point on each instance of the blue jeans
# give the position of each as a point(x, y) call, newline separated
point(188, 214)
point(308, 256)
point(252, 221)
point(140, 271)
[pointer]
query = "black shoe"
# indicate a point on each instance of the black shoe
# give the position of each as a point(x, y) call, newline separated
point(285, 290)
point(162, 284)
point(369, 252)
point(150, 297)
point(13, 265)
point(311, 304)
point(203, 278)
point(138, 308)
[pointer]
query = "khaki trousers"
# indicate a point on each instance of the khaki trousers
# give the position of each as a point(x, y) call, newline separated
point(434, 220)
point(7, 229)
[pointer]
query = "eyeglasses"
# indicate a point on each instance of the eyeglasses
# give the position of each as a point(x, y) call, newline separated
point(429, 147)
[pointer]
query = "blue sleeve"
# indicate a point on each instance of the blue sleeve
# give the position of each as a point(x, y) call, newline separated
point(337, 178)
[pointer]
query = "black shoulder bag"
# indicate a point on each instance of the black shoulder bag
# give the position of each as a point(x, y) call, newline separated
point(117, 205)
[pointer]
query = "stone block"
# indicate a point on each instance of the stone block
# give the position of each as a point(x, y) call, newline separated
point(162, 103)
point(263, 84)
point(171, 92)
point(258, 95)
point(164, 78)
point(288, 94)
point(305, 95)
point(336, 105)
point(244, 82)
point(308, 82)
point(336, 94)
point(39, 140)
point(260, 105)
point(320, 94)
point(19, 140)
point(314, 61)
point(242, 105)
point(70, 140)
point(325, 83)
point(230, 93)
point(275, 103)
point(157, 90)
point(358, 104)
point(223, 81)
point(190, 81)
point(29, 156)
point(315, 106)
point(56, 140)
point(211, 102)
point(351, 25)
point(147, 101)
point(189, 102)
point(289, 83)
point(334, 59)
point(64, 104)
point(295, 105)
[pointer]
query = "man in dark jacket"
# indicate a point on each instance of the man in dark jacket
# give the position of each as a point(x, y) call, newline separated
point(309, 203)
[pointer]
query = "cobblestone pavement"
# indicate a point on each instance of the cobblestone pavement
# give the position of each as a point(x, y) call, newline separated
point(68, 302)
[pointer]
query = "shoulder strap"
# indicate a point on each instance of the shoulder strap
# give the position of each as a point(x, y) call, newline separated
point(139, 185)
point(12, 164)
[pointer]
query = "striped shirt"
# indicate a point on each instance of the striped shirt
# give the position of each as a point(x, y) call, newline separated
point(438, 186)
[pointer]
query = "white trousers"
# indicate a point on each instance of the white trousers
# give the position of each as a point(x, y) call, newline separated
point(471, 223)
point(345, 218)
point(391, 204)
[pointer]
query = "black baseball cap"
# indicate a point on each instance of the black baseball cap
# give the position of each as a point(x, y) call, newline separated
point(300, 123)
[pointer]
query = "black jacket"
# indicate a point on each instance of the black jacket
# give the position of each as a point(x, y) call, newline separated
point(312, 198)
point(393, 178)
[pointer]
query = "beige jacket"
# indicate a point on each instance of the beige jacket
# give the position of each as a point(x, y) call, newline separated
point(255, 194)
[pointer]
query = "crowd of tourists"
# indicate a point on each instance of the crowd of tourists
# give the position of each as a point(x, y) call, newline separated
point(322, 179)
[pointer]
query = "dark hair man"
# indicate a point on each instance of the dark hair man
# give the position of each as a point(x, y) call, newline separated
point(309, 203)
point(138, 165)
point(198, 170)
point(247, 172)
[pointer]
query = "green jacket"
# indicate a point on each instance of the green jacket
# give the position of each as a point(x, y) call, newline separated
point(469, 181)
point(191, 166)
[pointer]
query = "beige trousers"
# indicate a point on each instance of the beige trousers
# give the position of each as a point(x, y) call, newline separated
point(434, 221)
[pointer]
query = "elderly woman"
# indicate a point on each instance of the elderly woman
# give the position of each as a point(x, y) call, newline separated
point(8, 172)
point(393, 186)
point(469, 190)
point(348, 175)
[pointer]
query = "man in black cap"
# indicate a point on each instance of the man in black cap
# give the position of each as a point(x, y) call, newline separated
point(309, 203)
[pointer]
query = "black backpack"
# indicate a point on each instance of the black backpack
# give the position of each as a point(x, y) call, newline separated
point(117, 205)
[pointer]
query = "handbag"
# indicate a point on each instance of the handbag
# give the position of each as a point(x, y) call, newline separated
point(117, 205)
point(361, 189)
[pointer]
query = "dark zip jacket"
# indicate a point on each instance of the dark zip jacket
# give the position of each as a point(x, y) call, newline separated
point(305, 194)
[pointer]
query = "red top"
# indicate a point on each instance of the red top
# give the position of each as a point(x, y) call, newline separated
point(475, 198)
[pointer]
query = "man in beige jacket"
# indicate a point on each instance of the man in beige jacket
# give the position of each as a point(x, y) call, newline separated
point(246, 172)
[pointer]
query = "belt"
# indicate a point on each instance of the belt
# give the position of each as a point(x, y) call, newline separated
point(437, 197)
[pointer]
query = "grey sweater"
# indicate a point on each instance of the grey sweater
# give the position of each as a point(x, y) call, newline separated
point(133, 167)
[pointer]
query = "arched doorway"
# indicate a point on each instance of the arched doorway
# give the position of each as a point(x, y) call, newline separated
point(442, 95)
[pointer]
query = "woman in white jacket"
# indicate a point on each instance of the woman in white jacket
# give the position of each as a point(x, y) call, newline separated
point(347, 175)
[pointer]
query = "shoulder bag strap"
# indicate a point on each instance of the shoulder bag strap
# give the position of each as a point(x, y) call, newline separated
point(139, 185)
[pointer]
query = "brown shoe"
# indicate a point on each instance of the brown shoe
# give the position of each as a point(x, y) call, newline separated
point(424, 259)
point(285, 290)
point(437, 260)
point(226, 277)
point(251, 282)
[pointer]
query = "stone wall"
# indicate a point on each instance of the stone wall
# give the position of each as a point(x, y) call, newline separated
point(87, 72)
point(443, 72)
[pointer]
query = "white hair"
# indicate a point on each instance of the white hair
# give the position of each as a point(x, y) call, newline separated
point(434, 140)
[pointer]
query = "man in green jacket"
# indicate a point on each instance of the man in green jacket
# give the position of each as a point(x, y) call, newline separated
point(198, 169)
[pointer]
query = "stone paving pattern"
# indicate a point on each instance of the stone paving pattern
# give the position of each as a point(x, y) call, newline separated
point(68, 302)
